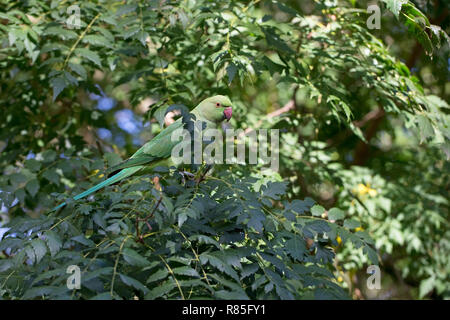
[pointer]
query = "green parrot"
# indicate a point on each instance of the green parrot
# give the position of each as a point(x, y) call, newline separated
point(213, 111)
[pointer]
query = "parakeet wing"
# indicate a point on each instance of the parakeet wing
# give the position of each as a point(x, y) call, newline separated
point(159, 147)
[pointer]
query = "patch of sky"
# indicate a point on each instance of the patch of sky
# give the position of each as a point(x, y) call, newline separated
point(30, 155)
point(2, 232)
point(104, 133)
point(104, 103)
point(4, 209)
point(127, 121)
point(119, 139)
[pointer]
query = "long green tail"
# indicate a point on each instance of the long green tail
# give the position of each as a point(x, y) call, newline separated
point(115, 178)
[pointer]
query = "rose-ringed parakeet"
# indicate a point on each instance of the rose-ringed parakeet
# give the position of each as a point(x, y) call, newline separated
point(157, 152)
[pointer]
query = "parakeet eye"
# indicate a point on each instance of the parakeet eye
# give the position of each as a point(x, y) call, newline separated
point(217, 104)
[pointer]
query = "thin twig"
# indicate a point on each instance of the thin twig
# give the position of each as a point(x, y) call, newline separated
point(72, 49)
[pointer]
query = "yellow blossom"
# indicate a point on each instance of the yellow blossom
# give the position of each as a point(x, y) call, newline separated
point(362, 189)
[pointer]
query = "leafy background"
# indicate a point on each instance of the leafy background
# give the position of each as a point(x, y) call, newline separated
point(364, 153)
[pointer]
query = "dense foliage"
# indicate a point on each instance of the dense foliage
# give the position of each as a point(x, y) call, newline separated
point(364, 149)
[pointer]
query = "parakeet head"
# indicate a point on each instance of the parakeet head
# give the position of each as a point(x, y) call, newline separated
point(215, 109)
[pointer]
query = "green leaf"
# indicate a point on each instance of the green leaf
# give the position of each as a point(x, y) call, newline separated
point(182, 217)
point(351, 224)
point(186, 271)
point(134, 258)
point(112, 158)
point(256, 220)
point(125, 9)
point(274, 40)
point(231, 295)
point(231, 72)
point(49, 155)
point(97, 40)
point(274, 190)
point(53, 242)
point(49, 275)
point(32, 187)
point(426, 286)
point(248, 270)
point(97, 273)
point(84, 209)
point(336, 214)
point(418, 24)
point(78, 69)
point(395, 6)
point(299, 206)
point(90, 55)
point(83, 240)
point(39, 292)
point(272, 66)
point(425, 128)
point(39, 248)
point(133, 283)
point(158, 275)
point(6, 264)
point(357, 131)
point(317, 210)
point(58, 84)
point(33, 165)
point(62, 33)
point(102, 296)
point(161, 290)
point(100, 220)
point(204, 239)
point(130, 32)
point(296, 248)
point(372, 254)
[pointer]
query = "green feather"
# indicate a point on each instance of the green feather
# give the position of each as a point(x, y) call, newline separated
point(115, 178)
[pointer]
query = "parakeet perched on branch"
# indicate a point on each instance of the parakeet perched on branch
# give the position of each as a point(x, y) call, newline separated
point(213, 111)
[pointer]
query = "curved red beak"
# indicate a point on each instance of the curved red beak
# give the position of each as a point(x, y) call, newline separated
point(228, 112)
